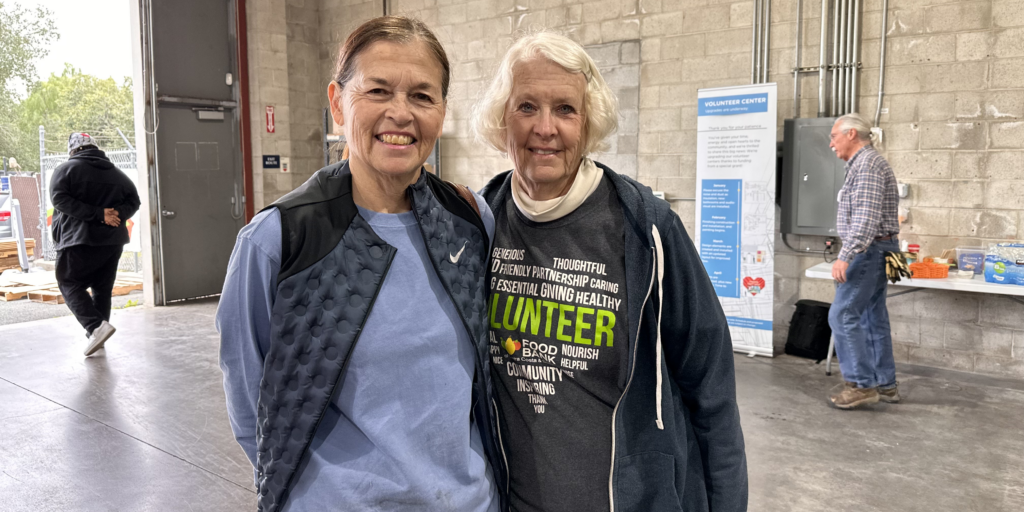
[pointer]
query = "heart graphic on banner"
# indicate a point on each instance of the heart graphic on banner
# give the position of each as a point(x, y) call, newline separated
point(754, 285)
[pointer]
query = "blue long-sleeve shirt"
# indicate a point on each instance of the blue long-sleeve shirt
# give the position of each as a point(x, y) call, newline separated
point(398, 435)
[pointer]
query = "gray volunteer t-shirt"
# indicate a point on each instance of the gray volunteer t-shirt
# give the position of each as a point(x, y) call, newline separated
point(558, 350)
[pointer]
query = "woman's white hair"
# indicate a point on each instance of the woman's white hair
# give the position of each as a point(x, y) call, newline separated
point(601, 110)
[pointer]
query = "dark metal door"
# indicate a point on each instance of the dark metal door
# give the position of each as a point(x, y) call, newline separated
point(198, 150)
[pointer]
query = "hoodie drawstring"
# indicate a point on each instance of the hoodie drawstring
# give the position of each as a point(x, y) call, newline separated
point(660, 259)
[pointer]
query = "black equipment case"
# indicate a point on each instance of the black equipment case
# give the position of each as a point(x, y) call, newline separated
point(809, 332)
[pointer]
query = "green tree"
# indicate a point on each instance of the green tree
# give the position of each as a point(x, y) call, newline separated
point(25, 35)
point(75, 102)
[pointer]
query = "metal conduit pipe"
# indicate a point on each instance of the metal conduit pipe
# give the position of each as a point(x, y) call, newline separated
point(755, 58)
point(881, 61)
point(823, 61)
point(796, 67)
point(849, 57)
point(834, 100)
point(844, 72)
point(843, 46)
point(766, 46)
point(855, 60)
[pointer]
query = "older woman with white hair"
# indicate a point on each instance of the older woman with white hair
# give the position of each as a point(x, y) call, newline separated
point(612, 362)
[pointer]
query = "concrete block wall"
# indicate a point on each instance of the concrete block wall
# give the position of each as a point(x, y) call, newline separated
point(682, 46)
point(284, 71)
point(953, 127)
point(337, 20)
point(619, 63)
point(305, 90)
point(953, 121)
point(955, 133)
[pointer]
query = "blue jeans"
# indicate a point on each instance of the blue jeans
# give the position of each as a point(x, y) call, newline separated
point(860, 320)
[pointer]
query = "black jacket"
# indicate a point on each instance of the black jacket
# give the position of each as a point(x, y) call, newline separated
point(677, 445)
point(80, 189)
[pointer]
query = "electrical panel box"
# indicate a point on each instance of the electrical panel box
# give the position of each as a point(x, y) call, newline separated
point(812, 176)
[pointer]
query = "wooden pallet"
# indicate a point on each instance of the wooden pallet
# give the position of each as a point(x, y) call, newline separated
point(41, 286)
point(10, 293)
point(51, 296)
point(17, 286)
point(12, 245)
point(125, 287)
point(9, 252)
point(6, 255)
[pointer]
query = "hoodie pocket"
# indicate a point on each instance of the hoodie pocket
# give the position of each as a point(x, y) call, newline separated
point(646, 482)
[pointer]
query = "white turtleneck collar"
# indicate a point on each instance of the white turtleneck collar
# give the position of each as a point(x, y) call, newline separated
point(588, 177)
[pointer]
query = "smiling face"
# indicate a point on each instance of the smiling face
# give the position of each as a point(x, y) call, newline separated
point(545, 121)
point(391, 110)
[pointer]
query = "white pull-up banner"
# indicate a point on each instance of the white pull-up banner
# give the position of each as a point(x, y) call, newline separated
point(735, 225)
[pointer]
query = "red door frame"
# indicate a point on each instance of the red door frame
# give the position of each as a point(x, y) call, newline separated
point(243, 105)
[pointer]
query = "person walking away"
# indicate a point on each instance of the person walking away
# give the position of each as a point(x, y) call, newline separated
point(92, 200)
point(868, 226)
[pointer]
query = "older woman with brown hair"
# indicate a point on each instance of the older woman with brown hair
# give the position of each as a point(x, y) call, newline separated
point(614, 386)
point(353, 319)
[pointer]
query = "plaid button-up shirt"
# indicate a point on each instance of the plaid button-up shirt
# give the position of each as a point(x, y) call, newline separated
point(868, 203)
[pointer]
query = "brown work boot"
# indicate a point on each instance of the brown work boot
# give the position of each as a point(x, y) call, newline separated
point(851, 396)
point(889, 395)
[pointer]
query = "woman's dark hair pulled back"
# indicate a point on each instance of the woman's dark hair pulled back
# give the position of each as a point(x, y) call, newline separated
point(398, 29)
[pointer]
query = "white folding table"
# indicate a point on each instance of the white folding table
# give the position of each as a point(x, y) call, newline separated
point(977, 285)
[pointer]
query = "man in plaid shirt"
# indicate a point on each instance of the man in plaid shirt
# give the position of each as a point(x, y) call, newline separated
point(867, 224)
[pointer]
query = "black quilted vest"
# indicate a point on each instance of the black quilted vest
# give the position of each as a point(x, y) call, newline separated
point(332, 266)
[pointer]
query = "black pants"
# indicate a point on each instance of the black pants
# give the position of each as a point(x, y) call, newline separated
point(81, 267)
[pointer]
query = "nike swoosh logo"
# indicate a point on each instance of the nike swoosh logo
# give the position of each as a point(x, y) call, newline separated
point(455, 257)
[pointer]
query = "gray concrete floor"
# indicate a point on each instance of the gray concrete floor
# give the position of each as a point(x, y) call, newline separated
point(143, 428)
point(956, 443)
point(24, 310)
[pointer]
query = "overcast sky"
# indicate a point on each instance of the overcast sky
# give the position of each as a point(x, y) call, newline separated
point(95, 36)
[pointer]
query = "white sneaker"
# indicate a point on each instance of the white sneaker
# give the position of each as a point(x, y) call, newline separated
point(100, 335)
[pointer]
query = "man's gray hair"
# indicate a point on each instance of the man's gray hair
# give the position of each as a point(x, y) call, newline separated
point(857, 122)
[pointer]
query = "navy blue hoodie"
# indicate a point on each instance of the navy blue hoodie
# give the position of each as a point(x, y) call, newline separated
point(676, 438)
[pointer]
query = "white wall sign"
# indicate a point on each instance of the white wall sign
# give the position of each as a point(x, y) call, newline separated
point(735, 223)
